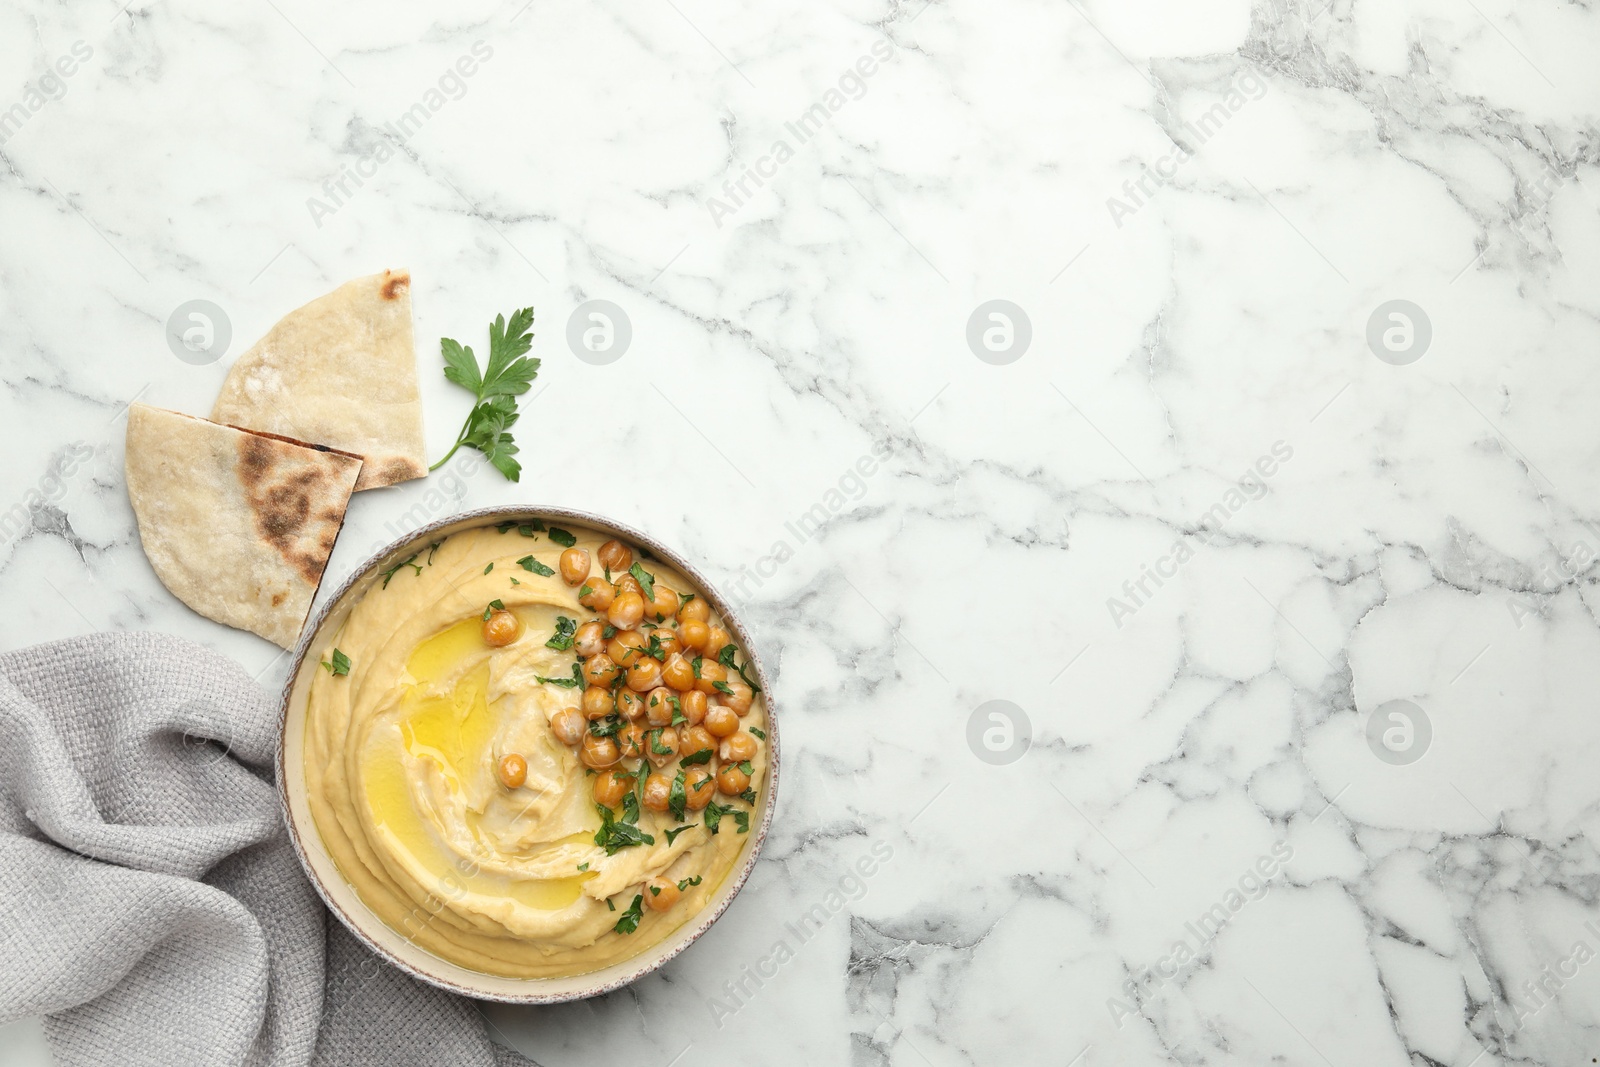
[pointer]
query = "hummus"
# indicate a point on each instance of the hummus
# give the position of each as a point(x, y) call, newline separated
point(403, 746)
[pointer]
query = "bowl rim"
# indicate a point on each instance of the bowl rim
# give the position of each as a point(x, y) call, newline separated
point(649, 960)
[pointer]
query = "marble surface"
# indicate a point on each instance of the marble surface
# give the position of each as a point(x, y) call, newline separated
point(1201, 533)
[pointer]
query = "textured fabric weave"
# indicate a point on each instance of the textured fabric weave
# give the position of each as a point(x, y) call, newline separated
point(151, 907)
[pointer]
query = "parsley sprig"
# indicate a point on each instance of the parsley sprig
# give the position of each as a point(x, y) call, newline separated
point(508, 375)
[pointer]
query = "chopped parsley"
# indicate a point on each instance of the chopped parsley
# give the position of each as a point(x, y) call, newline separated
point(409, 561)
point(687, 882)
point(725, 657)
point(657, 747)
point(614, 836)
point(672, 834)
point(677, 798)
point(646, 580)
point(561, 537)
point(695, 663)
point(749, 797)
point(759, 732)
point(562, 640)
point(722, 687)
point(693, 758)
point(431, 550)
point(608, 632)
point(494, 606)
point(609, 726)
point(584, 866)
point(715, 812)
point(339, 665)
point(630, 918)
point(585, 591)
point(528, 563)
point(746, 768)
point(575, 682)
point(489, 568)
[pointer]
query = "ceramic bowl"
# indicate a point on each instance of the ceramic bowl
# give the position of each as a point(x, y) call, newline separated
point(341, 897)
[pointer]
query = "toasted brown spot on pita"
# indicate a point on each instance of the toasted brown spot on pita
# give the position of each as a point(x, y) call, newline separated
point(277, 598)
point(281, 502)
point(395, 285)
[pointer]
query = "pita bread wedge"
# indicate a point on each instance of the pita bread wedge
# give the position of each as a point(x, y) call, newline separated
point(341, 371)
point(238, 525)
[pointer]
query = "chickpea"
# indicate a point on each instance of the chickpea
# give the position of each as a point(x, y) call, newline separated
point(721, 721)
point(657, 792)
point(501, 628)
point(736, 748)
point(656, 740)
point(693, 633)
point(630, 739)
point(600, 595)
point(624, 647)
point(626, 612)
point(695, 705)
point(695, 739)
point(731, 781)
point(677, 673)
point(630, 705)
point(513, 771)
point(615, 556)
point(598, 753)
point(610, 787)
point(711, 672)
point(658, 706)
point(738, 696)
point(627, 583)
point(568, 726)
point(597, 703)
point(574, 566)
point(699, 787)
point(717, 640)
point(696, 610)
point(590, 639)
point(665, 604)
point(644, 675)
point(661, 894)
point(599, 670)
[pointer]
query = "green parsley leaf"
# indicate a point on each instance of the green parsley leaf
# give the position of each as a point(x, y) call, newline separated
point(515, 582)
point(615, 836)
point(509, 374)
point(655, 744)
point(562, 640)
point(565, 683)
point(510, 524)
point(693, 758)
point(409, 561)
point(609, 632)
point(748, 796)
point(695, 663)
point(746, 768)
point(630, 918)
point(585, 591)
point(610, 906)
point(725, 657)
point(339, 665)
point(759, 732)
point(646, 580)
point(584, 866)
point(677, 797)
point(714, 814)
point(528, 563)
point(609, 726)
point(494, 606)
point(431, 550)
point(722, 687)
point(530, 529)
point(561, 537)
point(687, 882)
point(672, 835)
point(489, 568)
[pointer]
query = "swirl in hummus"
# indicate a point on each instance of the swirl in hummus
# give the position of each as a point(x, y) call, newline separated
point(534, 753)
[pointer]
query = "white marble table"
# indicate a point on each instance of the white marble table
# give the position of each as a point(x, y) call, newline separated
point(1195, 505)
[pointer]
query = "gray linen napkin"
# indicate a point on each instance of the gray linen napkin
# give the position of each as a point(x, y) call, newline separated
point(151, 906)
